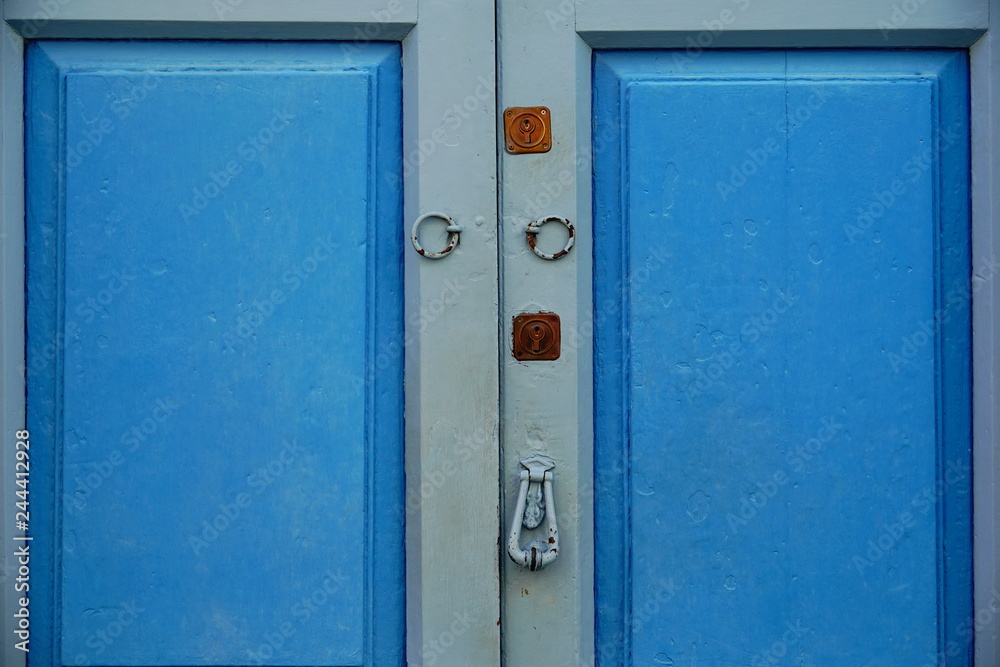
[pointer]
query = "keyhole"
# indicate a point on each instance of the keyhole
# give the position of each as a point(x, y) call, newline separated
point(536, 334)
point(527, 127)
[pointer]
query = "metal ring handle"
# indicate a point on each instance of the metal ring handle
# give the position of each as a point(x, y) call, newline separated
point(452, 229)
point(536, 226)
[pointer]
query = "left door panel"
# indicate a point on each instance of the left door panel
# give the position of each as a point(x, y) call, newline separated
point(213, 262)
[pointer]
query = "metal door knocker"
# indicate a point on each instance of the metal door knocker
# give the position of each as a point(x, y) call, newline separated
point(534, 503)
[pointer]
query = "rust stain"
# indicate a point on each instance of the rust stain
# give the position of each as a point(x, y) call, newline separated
point(533, 229)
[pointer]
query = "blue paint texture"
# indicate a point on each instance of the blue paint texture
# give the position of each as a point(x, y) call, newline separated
point(782, 358)
point(214, 377)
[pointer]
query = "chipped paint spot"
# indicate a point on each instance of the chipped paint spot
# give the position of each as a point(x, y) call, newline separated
point(670, 178)
point(815, 254)
point(698, 506)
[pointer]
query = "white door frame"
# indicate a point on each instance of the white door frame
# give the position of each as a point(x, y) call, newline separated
point(546, 49)
point(452, 416)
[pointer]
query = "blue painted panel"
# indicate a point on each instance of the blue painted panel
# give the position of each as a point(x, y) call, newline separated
point(214, 310)
point(782, 371)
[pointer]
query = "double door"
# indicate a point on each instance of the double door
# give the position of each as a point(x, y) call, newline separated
point(674, 369)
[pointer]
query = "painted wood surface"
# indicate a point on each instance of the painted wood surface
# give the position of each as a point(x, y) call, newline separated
point(984, 84)
point(356, 21)
point(451, 349)
point(714, 24)
point(548, 615)
point(783, 363)
point(214, 271)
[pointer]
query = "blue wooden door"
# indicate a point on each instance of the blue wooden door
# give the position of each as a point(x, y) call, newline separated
point(214, 389)
point(782, 358)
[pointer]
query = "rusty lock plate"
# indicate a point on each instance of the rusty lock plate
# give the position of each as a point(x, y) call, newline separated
point(527, 129)
point(536, 337)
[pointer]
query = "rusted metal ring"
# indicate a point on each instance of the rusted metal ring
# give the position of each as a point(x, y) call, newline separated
point(453, 229)
point(536, 226)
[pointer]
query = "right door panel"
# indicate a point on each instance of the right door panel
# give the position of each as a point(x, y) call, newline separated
point(782, 358)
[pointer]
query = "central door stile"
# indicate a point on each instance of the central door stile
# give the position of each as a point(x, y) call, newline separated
point(545, 270)
point(452, 381)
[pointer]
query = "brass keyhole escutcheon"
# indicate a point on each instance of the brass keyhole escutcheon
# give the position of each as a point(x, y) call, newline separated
point(527, 130)
point(536, 337)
